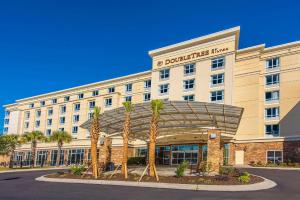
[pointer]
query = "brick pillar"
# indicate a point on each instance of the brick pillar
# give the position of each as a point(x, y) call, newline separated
point(199, 157)
point(222, 153)
point(214, 150)
point(105, 151)
point(231, 154)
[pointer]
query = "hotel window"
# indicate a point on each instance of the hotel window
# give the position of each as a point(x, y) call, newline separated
point(37, 123)
point(272, 63)
point(76, 107)
point(63, 109)
point(95, 93)
point(272, 112)
point(92, 104)
point(108, 102)
point(274, 157)
point(7, 113)
point(147, 84)
point(38, 113)
point(128, 98)
point(48, 132)
point(272, 130)
point(217, 63)
point(189, 69)
point(272, 96)
point(147, 96)
point(128, 87)
point(80, 96)
point(164, 89)
point(272, 79)
point(49, 122)
point(74, 130)
point(31, 105)
point(50, 111)
point(189, 98)
point(42, 103)
point(5, 130)
point(6, 121)
point(26, 125)
point(217, 96)
point(75, 118)
point(217, 79)
point(62, 120)
point(164, 74)
point(188, 84)
point(67, 98)
point(111, 90)
point(90, 115)
point(27, 115)
point(54, 101)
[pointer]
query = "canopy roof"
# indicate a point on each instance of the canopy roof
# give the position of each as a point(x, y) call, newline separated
point(177, 117)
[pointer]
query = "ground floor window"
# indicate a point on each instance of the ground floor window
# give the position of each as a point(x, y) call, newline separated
point(274, 157)
point(89, 156)
point(41, 158)
point(141, 152)
point(163, 155)
point(54, 157)
point(226, 154)
point(76, 156)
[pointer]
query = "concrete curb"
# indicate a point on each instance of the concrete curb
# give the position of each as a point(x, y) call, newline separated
point(266, 184)
point(30, 170)
point(278, 168)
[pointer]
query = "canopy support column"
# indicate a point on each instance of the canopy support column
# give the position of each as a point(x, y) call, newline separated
point(214, 150)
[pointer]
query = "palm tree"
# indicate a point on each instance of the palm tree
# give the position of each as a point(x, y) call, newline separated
point(95, 130)
point(60, 137)
point(126, 131)
point(8, 145)
point(34, 137)
point(156, 107)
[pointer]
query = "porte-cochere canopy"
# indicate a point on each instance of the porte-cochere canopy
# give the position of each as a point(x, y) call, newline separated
point(176, 117)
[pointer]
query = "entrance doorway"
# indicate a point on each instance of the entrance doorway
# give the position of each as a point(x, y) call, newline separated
point(239, 157)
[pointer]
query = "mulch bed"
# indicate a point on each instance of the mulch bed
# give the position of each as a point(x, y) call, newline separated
point(202, 180)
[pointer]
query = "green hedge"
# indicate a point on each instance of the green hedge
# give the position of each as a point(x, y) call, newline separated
point(136, 161)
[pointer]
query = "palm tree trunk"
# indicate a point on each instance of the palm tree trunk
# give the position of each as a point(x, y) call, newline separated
point(125, 144)
point(59, 146)
point(152, 142)
point(94, 156)
point(33, 153)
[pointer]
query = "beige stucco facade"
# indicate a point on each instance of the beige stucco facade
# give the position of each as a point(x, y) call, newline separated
point(243, 74)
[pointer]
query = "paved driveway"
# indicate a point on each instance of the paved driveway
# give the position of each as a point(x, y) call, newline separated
point(21, 185)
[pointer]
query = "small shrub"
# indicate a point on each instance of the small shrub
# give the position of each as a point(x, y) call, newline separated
point(244, 178)
point(226, 170)
point(259, 163)
point(77, 169)
point(181, 168)
point(205, 167)
point(136, 161)
point(252, 163)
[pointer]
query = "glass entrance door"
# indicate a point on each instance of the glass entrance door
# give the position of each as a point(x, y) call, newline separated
point(181, 153)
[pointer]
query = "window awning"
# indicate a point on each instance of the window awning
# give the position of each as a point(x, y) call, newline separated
point(177, 117)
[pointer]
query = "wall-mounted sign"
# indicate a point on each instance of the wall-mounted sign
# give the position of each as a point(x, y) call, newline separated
point(192, 56)
point(213, 136)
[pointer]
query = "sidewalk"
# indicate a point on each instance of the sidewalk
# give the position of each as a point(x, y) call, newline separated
point(32, 169)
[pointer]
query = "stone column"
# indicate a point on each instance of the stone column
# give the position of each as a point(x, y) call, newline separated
point(105, 151)
point(48, 157)
point(214, 150)
point(66, 157)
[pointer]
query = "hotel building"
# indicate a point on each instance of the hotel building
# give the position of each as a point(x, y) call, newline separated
point(264, 81)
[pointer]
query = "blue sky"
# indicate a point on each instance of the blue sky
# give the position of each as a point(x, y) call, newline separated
point(52, 45)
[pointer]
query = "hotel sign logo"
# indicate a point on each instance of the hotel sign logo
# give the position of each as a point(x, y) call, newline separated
point(192, 56)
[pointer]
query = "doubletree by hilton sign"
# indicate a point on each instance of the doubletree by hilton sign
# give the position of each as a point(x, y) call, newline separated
point(192, 56)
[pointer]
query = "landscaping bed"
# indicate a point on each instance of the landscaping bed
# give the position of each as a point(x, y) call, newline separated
point(203, 180)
